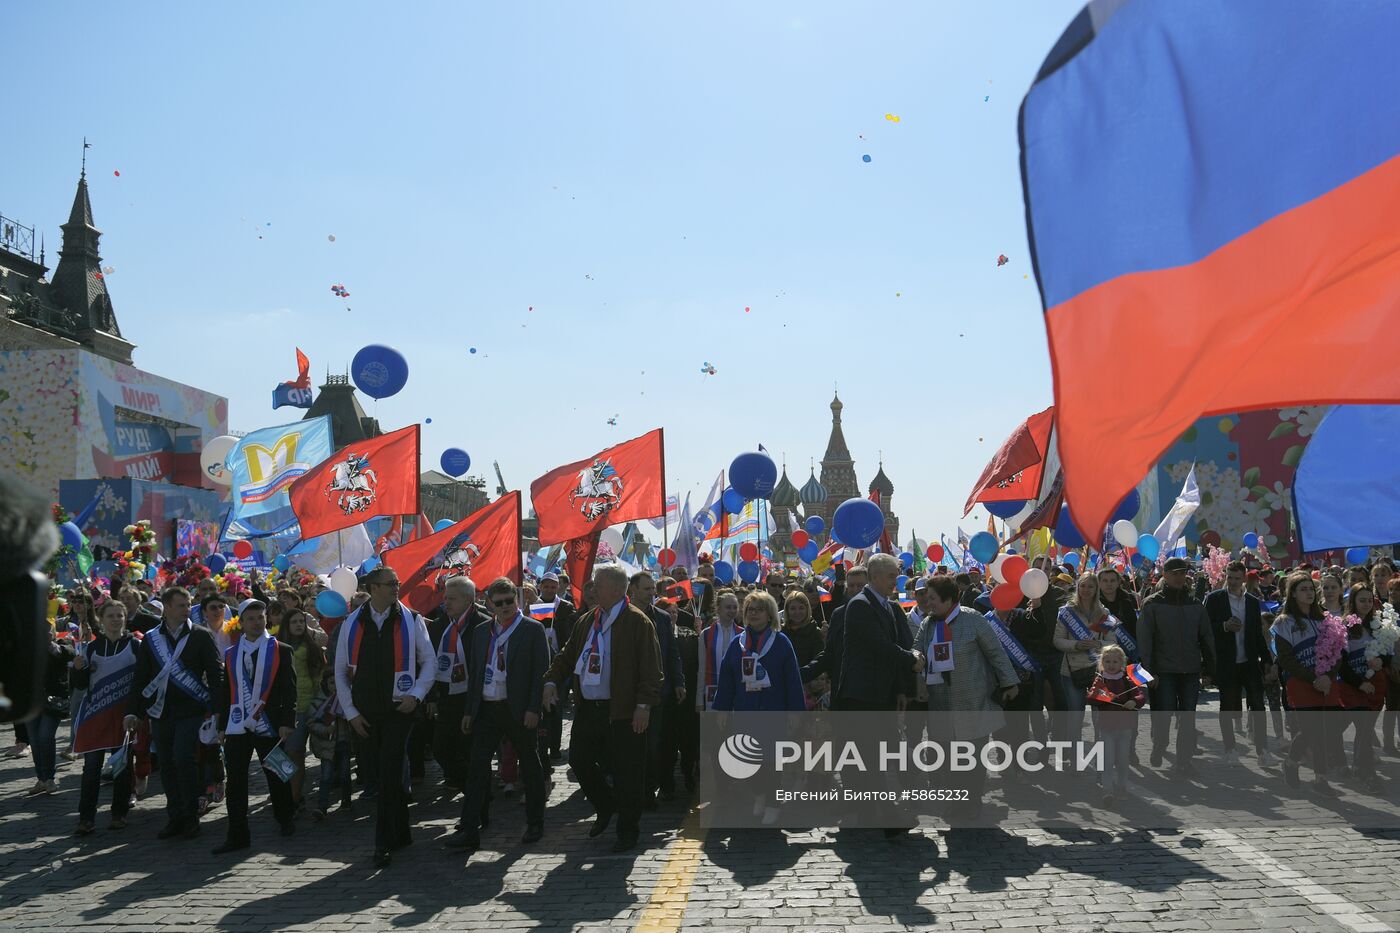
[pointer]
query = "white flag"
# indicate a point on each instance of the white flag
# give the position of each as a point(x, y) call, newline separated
point(1181, 511)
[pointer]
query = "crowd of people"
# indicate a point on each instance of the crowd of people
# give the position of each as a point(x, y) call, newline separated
point(193, 681)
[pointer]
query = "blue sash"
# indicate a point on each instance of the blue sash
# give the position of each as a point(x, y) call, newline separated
point(1125, 641)
point(179, 674)
point(1356, 657)
point(1014, 649)
point(1305, 651)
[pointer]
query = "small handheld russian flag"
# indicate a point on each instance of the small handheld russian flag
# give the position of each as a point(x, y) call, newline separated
point(542, 612)
point(1139, 675)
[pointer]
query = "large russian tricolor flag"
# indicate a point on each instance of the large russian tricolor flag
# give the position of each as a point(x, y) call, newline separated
point(1213, 202)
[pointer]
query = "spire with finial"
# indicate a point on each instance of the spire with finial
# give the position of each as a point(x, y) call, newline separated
point(78, 281)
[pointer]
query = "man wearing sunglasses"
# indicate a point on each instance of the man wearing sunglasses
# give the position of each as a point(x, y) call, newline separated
point(384, 667)
point(508, 661)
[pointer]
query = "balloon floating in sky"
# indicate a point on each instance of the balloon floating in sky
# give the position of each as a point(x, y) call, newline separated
point(379, 371)
point(471, 349)
point(707, 369)
point(108, 270)
point(116, 173)
point(613, 421)
point(455, 461)
point(331, 237)
point(1002, 260)
point(865, 158)
point(892, 117)
point(427, 420)
point(340, 291)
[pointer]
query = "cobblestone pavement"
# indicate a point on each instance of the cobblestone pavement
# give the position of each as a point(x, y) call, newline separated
point(1321, 876)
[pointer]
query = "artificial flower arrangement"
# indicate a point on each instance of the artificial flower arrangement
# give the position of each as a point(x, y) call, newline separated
point(64, 552)
point(132, 563)
point(1385, 635)
point(1215, 562)
point(1331, 643)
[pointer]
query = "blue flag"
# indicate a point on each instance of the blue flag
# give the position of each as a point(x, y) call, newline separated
point(288, 394)
point(267, 461)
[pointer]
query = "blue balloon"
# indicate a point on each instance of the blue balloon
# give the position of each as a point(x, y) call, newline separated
point(705, 521)
point(1357, 555)
point(216, 563)
point(733, 501)
point(1094, 559)
point(331, 604)
point(369, 564)
point(753, 475)
point(1139, 559)
point(858, 523)
point(983, 547)
point(442, 523)
point(907, 560)
point(1065, 532)
point(724, 571)
point(814, 525)
point(902, 581)
point(1149, 547)
point(748, 570)
point(379, 371)
point(1251, 539)
point(280, 563)
point(1012, 550)
point(455, 461)
point(150, 571)
point(1071, 558)
point(1127, 508)
point(1004, 509)
point(809, 551)
point(72, 535)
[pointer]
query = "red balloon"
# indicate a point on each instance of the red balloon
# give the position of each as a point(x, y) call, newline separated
point(242, 550)
point(935, 552)
point(1007, 596)
point(1013, 568)
point(666, 557)
point(748, 551)
point(1211, 538)
point(800, 538)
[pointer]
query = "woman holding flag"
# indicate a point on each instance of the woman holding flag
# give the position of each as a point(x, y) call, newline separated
point(105, 669)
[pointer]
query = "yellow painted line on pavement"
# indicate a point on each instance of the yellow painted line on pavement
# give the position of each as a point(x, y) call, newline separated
point(665, 908)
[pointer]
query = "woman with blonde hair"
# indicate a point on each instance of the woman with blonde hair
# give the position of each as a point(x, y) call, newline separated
point(759, 670)
point(1083, 629)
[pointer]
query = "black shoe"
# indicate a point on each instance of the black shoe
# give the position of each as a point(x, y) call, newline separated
point(1185, 769)
point(289, 828)
point(532, 834)
point(230, 845)
point(381, 858)
point(649, 802)
point(1321, 787)
point(1156, 758)
point(191, 829)
point(1290, 772)
point(667, 795)
point(463, 840)
point(171, 830)
point(624, 843)
point(600, 824)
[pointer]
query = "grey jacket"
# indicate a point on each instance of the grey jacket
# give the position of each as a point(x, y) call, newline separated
point(1174, 634)
point(980, 666)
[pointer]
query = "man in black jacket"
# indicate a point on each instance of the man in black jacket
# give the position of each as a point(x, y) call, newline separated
point(828, 663)
point(178, 671)
point(878, 660)
point(641, 592)
point(1242, 655)
point(508, 657)
point(562, 625)
point(257, 712)
point(451, 635)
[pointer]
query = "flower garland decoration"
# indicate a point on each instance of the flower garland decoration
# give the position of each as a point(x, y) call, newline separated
point(1385, 634)
point(132, 563)
point(1331, 644)
point(1215, 563)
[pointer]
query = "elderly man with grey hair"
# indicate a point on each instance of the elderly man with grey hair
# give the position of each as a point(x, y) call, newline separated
point(879, 660)
point(450, 630)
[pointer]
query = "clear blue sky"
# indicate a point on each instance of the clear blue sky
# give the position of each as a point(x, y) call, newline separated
point(637, 173)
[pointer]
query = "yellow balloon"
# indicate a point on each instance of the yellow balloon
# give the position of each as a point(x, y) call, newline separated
point(892, 117)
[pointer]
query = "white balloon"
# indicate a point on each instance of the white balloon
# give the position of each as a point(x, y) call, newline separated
point(1034, 583)
point(1125, 533)
point(343, 581)
point(612, 538)
point(212, 457)
point(994, 568)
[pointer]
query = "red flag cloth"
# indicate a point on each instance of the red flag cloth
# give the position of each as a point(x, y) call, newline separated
point(578, 562)
point(484, 545)
point(303, 380)
point(393, 537)
point(1014, 472)
point(422, 529)
point(374, 477)
point(620, 484)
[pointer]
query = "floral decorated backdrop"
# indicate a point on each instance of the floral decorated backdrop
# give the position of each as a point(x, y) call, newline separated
point(1244, 467)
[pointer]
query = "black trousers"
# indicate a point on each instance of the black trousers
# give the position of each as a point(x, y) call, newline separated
point(495, 722)
point(92, 786)
point(451, 747)
point(177, 744)
point(1248, 687)
point(598, 746)
point(655, 778)
point(239, 750)
point(680, 738)
point(386, 751)
point(554, 725)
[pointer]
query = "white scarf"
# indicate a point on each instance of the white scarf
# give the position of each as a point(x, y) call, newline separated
point(249, 715)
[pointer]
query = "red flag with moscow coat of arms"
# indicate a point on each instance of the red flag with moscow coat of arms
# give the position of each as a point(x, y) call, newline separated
point(620, 484)
point(483, 546)
point(378, 476)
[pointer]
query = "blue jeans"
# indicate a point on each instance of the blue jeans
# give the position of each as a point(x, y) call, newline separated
point(1175, 693)
point(43, 735)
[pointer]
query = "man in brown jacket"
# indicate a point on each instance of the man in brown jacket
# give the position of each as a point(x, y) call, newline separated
point(614, 661)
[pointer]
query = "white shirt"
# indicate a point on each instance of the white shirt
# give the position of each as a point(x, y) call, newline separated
point(1237, 604)
point(603, 689)
point(427, 657)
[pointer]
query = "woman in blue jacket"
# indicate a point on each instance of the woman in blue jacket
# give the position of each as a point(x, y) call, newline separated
point(759, 670)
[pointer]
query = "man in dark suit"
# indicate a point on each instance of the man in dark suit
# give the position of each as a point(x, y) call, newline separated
point(828, 662)
point(641, 592)
point(257, 712)
point(614, 660)
point(878, 660)
point(562, 626)
point(508, 662)
point(1242, 657)
point(450, 631)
